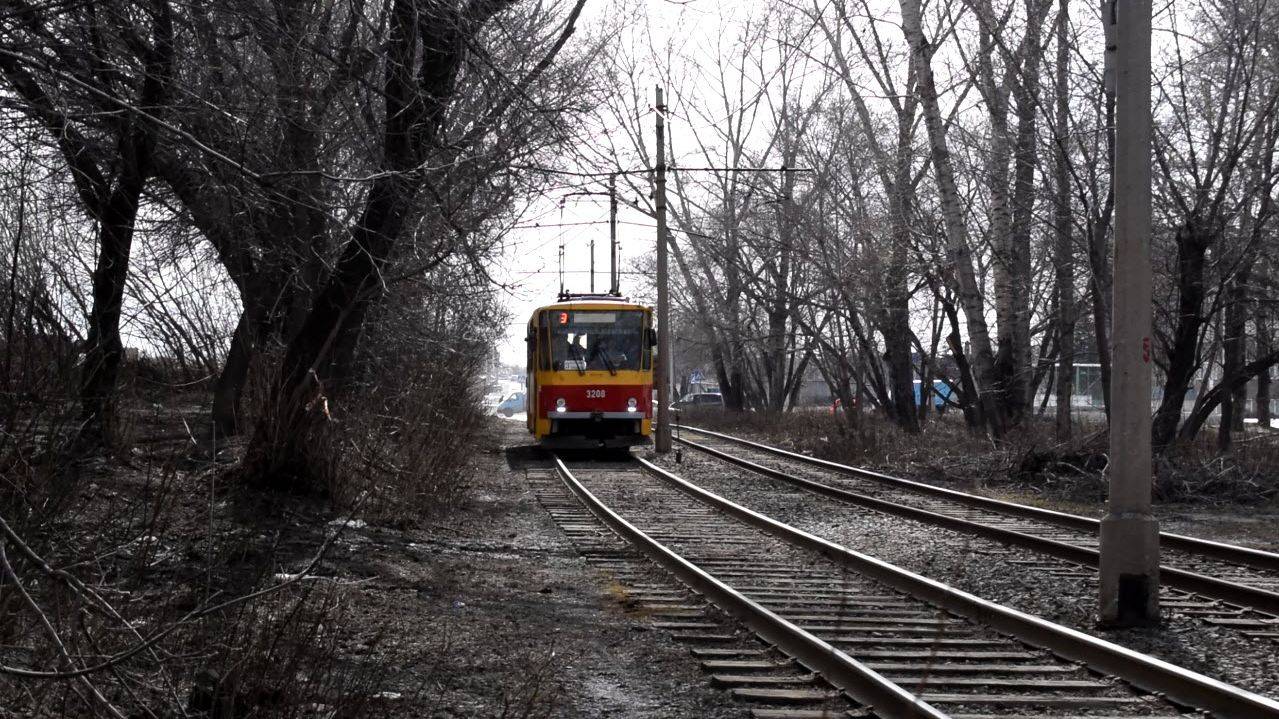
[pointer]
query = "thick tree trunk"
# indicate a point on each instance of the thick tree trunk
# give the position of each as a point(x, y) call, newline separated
point(341, 371)
point(425, 49)
point(230, 385)
point(111, 201)
point(1192, 244)
point(1001, 246)
point(1100, 281)
point(967, 385)
point(1218, 394)
point(997, 157)
point(1099, 262)
point(270, 296)
point(895, 175)
point(1265, 345)
point(1063, 254)
point(959, 255)
point(276, 451)
point(779, 308)
point(735, 398)
point(103, 349)
point(774, 362)
point(1232, 346)
point(897, 307)
point(1026, 158)
point(1235, 321)
point(734, 393)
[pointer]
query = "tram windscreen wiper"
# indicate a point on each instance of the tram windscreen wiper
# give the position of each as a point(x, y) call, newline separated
point(603, 353)
point(581, 361)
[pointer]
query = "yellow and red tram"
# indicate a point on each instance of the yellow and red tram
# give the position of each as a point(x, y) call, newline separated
point(590, 372)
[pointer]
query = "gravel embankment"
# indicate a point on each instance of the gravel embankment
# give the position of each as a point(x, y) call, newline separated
point(496, 615)
point(984, 568)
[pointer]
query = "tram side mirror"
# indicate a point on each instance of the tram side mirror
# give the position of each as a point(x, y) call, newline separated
point(652, 337)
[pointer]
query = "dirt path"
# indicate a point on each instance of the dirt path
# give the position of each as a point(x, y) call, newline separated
point(502, 616)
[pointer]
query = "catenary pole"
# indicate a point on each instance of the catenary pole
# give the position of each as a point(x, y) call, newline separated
point(663, 375)
point(613, 284)
point(1129, 532)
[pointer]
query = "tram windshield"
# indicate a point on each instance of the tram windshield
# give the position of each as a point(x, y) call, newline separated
point(608, 340)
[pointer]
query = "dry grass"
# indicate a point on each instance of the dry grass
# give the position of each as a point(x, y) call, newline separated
point(873, 443)
point(1029, 459)
point(188, 595)
point(402, 449)
point(1197, 472)
point(165, 591)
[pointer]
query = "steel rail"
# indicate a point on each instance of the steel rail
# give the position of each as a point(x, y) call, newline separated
point(1144, 672)
point(854, 678)
point(1227, 591)
point(1247, 556)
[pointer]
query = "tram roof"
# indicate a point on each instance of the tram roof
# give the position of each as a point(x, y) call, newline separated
point(589, 303)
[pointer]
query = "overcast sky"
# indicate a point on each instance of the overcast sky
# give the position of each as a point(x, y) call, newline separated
point(692, 31)
point(528, 267)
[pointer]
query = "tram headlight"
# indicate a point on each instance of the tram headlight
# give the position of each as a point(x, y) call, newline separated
point(560, 406)
point(632, 405)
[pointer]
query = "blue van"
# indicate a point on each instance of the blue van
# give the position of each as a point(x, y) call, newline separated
point(942, 390)
point(512, 405)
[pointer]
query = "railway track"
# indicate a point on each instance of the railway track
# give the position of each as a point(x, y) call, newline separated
point(1220, 584)
point(841, 633)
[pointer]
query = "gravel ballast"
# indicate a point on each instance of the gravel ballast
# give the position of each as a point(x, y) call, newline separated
point(987, 569)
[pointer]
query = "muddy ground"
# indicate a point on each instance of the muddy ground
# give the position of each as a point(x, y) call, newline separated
point(479, 609)
point(507, 620)
point(483, 609)
point(498, 584)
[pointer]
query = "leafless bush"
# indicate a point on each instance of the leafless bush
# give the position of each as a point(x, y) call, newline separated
point(122, 606)
point(533, 695)
point(282, 657)
point(416, 438)
point(1030, 459)
point(179, 302)
point(872, 442)
point(1198, 472)
point(37, 422)
point(129, 585)
point(407, 436)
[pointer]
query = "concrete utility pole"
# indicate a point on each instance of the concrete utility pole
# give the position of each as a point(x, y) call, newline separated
point(663, 375)
point(1129, 532)
point(613, 284)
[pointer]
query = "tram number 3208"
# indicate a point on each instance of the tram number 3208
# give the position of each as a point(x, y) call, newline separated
point(595, 394)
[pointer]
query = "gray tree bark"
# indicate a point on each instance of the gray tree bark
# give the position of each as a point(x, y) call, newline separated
point(958, 252)
point(1063, 255)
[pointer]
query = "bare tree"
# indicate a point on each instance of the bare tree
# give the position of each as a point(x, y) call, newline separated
point(1063, 255)
point(958, 253)
point(97, 83)
point(426, 48)
point(1199, 179)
